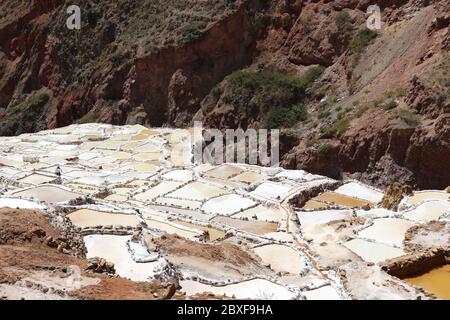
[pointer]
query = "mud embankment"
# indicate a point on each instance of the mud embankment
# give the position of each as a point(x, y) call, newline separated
point(417, 264)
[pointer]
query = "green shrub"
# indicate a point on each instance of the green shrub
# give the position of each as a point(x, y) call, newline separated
point(440, 99)
point(324, 114)
point(397, 93)
point(324, 148)
point(286, 117)
point(89, 117)
point(311, 142)
point(409, 117)
point(343, 21)
point(37, 99)
point(277, 95)
point(362, 39)
point(389, 105)
point(339, 127)
point(361, 111)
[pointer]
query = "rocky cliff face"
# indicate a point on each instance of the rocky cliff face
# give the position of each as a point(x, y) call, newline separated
point(150, 62)
point(351, 102)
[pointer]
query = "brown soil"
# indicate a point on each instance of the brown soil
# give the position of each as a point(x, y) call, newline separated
point(221, 253)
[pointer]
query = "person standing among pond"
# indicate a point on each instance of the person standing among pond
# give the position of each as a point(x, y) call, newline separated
point(58, 173)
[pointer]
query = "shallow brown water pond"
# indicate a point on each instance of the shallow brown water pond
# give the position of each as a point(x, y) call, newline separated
point(437, 281)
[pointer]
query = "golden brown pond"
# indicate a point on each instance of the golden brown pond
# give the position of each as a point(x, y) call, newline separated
point(436, 281)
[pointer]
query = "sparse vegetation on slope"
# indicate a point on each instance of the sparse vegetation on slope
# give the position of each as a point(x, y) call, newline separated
point(276, 94)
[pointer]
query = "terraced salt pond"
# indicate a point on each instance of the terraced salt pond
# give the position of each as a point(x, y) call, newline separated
point(197, 191)
point(244, 208)
point(224, 172)
point(428, 211)
point(36, 179)
point(114, 249)
point(341, 200)
point(179, 175)
point(355, 189)
point(227, 204)
point(322, 293)
point(390, 231)
point(281, 258)
point(249, 177)
point(255, 227)
point(19, 203)
point(214, 234)
point(372, 251)
point(48, 193)
point(171, 202)
point(428, 195)
point(142, 167)
point(263, 213)
point(271, 190)
point(172, 228)
point(322, 217)
point(157, 191)
point(436, 281)
point(252, 289)
point(86, 218)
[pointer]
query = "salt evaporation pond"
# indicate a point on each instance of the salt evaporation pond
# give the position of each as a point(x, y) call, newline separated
point(271, 190)
point(227, 204)
point(420, 196)
point(314, 204)
point(159, 190)
point(197, 191)
point(272, 214)
point(252, 289)
point(173, 229)
point(36, 179)
point(372, 251)
point(142, 167)
point(436, 281)
point(114, 249)
point(179, 175)
point(86, 218)
point(428, 211)
point(48, 193)
point(255, 227)
point(390, 231)
point(224, 172)
point(249, 177)
point(279, 236)
point(281, 258)
point(292, 174)
point(214, 234)
point(375, 213)
point(311, 218)
point(354, 189)
point(117, 198)
point(322, 293)
point(19, 203)
point(171, 202)
point(341, 200)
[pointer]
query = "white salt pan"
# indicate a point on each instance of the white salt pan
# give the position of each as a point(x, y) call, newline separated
point(227, 204)
point(252, 289)
point(357, 190)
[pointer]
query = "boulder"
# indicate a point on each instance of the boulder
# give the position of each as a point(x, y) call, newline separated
point(100, 265)
point(393, 194)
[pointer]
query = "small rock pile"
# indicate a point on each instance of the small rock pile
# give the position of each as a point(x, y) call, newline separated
point(100, 265)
